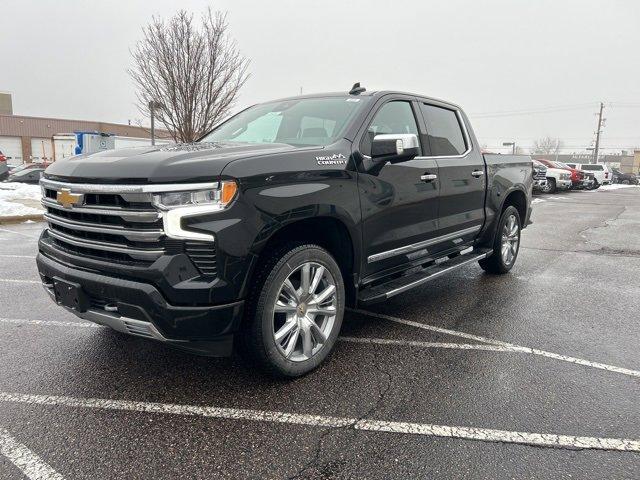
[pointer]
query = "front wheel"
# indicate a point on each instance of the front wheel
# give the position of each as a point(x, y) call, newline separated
point(295, 310)
point(506, 244)
point(550, 187)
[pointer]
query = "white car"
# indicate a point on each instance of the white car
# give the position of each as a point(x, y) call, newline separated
point(557, 179)
point(603, 175)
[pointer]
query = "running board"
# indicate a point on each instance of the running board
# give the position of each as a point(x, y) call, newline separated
point(381, 292)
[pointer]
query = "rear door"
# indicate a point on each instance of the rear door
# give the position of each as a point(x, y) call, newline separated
point(461, 174)
point(399, 207)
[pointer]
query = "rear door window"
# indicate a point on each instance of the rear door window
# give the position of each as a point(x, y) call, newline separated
point(592, 167)
point(443, 131)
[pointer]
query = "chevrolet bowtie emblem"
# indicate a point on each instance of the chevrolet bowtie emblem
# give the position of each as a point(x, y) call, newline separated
point(67, 199)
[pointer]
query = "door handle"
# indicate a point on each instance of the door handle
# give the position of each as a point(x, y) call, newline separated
point(477, 173)
point(428, 177)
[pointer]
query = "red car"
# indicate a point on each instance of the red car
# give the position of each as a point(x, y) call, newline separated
point(577, 176)
point(4, 168)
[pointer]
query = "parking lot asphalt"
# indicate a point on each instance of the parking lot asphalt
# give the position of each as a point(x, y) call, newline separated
point(470, 376)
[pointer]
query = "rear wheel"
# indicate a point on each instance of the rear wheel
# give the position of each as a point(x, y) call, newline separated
point(295, 310)
point(506, 244)
point(595, 185)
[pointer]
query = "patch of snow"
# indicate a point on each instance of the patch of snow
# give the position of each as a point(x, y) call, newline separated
point(615, 186)
point(13, 194)
point(537, 200)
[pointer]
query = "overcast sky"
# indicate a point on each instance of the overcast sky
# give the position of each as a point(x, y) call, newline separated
point(559, 58)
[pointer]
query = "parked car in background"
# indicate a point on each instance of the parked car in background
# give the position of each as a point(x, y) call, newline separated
point(539, 176)
point(28, 166)
point(29, 175)
point(557, 178)
point(602, 174)
point(624, 178)
point(589, 177)
point(4, 168)
point(577, 176)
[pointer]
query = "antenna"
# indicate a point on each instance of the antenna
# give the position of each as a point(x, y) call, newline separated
point(357, 89)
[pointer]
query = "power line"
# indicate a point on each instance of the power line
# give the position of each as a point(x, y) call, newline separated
point(530, 111)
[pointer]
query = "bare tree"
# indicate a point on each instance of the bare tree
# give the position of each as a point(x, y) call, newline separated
point(546, 146)
point(195, 73)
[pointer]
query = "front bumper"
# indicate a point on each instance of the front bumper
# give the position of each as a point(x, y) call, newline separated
point(539, 184)
point(140, 309)
point(563, 184)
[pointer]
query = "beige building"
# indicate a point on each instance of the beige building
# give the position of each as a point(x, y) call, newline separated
point(26, 139)
point(635, 164)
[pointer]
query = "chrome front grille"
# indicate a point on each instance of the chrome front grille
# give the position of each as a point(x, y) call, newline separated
point(119, 223)
point(122, 227)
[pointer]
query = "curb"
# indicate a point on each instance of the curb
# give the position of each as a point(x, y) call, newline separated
point(21, 218)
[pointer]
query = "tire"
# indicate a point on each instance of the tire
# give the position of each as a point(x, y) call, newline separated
point(625, 182)
point(507, 235)
point(308, 337)
point(550, 187)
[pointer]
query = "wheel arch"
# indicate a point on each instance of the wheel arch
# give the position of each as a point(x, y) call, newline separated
point(516, 197)
point(329, 232)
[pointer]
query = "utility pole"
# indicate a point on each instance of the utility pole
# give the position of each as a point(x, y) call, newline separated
point(595, 150)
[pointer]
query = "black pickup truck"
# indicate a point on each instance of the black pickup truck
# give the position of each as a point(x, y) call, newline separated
point(264, 230)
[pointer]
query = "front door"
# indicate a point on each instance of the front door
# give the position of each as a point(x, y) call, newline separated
point(399, 201)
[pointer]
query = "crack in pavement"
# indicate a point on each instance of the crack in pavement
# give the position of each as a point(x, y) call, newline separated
point(314, 463)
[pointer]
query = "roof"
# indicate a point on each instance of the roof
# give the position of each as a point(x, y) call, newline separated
point(373, 93)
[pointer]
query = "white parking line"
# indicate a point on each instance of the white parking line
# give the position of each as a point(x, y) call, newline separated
point(28, 462)
point(51, 323)
point(490, 341)
point(18, 233)
point(406, 428)
point(365, 340)
point(413, 343)
point(13, 280)
point(17, 256)
point(488, 344)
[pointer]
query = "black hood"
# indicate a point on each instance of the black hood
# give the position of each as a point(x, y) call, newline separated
point(186, 162)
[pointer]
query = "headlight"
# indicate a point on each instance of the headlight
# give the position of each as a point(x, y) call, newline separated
point(177, 206)
point(220, 196)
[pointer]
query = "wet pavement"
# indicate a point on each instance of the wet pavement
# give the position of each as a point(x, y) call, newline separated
point(458, 379)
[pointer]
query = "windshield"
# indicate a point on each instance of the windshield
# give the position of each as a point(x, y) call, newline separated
point(19, 168)
point(300, 122)
point(26, 171)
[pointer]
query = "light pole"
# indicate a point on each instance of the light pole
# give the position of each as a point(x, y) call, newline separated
point(512, 145)
point(153, 105)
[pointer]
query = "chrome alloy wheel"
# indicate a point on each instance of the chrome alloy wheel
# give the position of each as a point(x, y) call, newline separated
point(510, 240)
point(305, 311)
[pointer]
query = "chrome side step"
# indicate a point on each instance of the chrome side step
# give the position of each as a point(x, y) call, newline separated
point(399, 285)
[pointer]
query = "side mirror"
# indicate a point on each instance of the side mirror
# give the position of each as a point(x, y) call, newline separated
point(394, 147)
